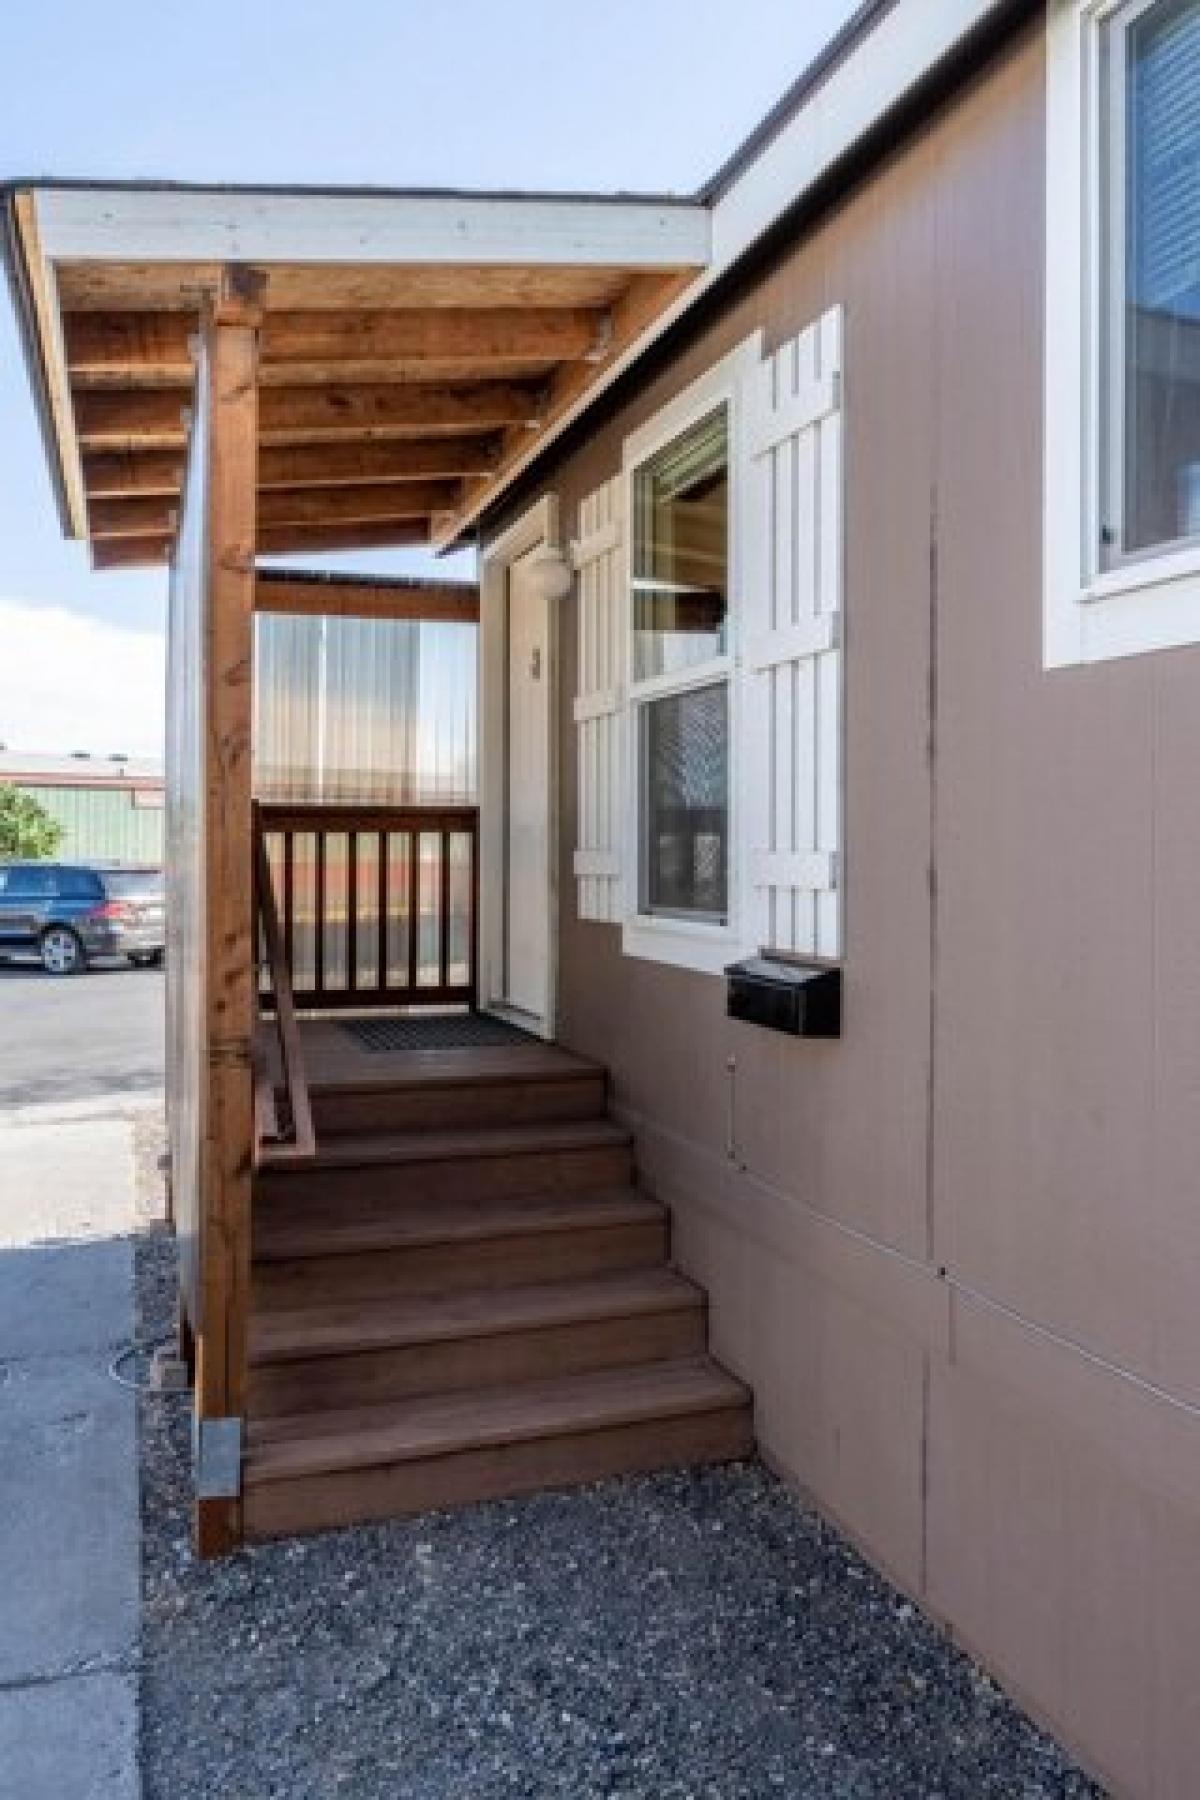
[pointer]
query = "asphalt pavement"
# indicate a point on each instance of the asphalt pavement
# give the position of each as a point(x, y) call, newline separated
point(79, 1037)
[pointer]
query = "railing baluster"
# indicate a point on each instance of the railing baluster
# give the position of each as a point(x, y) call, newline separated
point(319, 945)
point(352, 910)
point(444, 910)
point(382, 878)
point(289, 902)
point(414, 903)
point(473, 920)
point(395, 830)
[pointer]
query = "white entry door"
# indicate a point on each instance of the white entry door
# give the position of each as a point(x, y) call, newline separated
point(527, 847)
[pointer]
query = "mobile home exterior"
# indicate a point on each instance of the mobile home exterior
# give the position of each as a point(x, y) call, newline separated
point(844, 615)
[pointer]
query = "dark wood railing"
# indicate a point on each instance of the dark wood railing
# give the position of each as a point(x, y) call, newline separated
point(379, 903)
point(290, 1136)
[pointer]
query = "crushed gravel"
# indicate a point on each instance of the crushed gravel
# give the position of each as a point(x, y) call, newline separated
point(689, 1636)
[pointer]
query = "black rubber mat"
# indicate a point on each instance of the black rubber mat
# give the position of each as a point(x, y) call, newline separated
point(439, 1031)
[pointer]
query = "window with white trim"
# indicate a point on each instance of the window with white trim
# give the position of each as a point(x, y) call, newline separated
point(708, 706)
point(1123, 328)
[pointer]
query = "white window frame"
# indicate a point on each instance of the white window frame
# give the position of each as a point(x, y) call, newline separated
point(685, 943)
point(1148, 602)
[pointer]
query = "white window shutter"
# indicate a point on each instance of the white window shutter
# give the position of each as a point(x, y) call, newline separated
point(792, 656)
point(599, 702)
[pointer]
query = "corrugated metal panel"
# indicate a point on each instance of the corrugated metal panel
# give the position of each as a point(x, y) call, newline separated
point(103, 824)
point(364, 710)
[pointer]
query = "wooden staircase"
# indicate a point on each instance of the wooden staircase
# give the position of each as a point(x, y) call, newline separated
point(464, 1296)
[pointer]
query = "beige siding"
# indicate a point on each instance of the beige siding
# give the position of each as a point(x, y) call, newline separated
point(958, 1254)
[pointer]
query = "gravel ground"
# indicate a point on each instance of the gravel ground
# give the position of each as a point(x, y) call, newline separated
point(696, 1634)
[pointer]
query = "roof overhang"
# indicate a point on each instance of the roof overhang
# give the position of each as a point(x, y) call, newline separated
point(419, 350)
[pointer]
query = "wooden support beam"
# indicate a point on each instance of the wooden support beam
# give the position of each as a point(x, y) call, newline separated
point(120, 474)
point(151, 472)
point(225, 810)
point(299, 415)
point(284, 540)
point(153, 418)
point(153, 515)
point(384, 459)
point(140, 515)
point(645, 298)
point(440, 602)
point(154, 348)
point(132, 552)
point(353, 505)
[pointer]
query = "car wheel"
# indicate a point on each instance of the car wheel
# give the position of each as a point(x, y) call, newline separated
point(62, 952)
point(146, 959)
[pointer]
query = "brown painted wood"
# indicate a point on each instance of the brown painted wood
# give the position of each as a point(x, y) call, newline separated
point(445, 602)
point(282, 822)
point(311, 1359)
point(323, 1502)
point(416, 1454)
point(469, 1103)
point(442, 1246)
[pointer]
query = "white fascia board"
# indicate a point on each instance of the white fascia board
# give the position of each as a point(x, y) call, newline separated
point(173, 225)
point(892, 59)
point(872, 80)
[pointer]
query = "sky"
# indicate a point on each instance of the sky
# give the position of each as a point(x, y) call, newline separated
point(647, 95)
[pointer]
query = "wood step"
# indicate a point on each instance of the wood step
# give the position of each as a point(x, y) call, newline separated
point(309, 1472)
point(311, 1358)
point(325, 1251)
point(447, 1164)
point(445, 1099)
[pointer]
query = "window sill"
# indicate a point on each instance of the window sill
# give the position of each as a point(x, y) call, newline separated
point(705, 949)
point(1131, 612)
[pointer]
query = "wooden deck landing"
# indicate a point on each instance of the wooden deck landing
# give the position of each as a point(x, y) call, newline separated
point(334, 1061)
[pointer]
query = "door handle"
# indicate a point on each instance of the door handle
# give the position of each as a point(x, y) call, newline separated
point(535, 663)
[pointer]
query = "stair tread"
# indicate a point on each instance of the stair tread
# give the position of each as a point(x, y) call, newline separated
point(358, 1149)
point(279, 1449)
point(342, 1328)
point(329, 1227)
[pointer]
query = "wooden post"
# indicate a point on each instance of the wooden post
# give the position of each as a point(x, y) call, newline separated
point(230, 369)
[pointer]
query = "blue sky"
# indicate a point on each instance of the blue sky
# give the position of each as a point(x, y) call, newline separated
point(637, 94)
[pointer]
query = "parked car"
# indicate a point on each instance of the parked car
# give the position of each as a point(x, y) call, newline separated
point(69, 913)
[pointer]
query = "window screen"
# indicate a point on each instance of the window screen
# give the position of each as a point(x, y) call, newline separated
point(685, 804)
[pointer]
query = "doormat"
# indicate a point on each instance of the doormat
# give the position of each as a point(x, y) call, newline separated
point(440, 1031)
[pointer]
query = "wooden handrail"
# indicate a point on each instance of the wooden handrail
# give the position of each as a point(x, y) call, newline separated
point(272, 1141)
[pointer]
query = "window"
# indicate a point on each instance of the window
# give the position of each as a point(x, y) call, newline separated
point(680, 613)
point(1122, 453)
point(708, 706)
point(1150, 92)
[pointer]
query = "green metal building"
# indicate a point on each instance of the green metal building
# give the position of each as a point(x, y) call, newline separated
point(110, 808)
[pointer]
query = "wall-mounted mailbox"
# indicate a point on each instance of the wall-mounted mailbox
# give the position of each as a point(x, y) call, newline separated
point(804, 999)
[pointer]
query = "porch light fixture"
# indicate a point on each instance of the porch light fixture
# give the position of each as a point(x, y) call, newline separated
point(550, 573)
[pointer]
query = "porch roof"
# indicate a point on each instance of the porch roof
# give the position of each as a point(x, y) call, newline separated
point(414, 346)
point(419, 349)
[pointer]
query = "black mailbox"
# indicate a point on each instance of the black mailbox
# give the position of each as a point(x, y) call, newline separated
point(804, 999)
